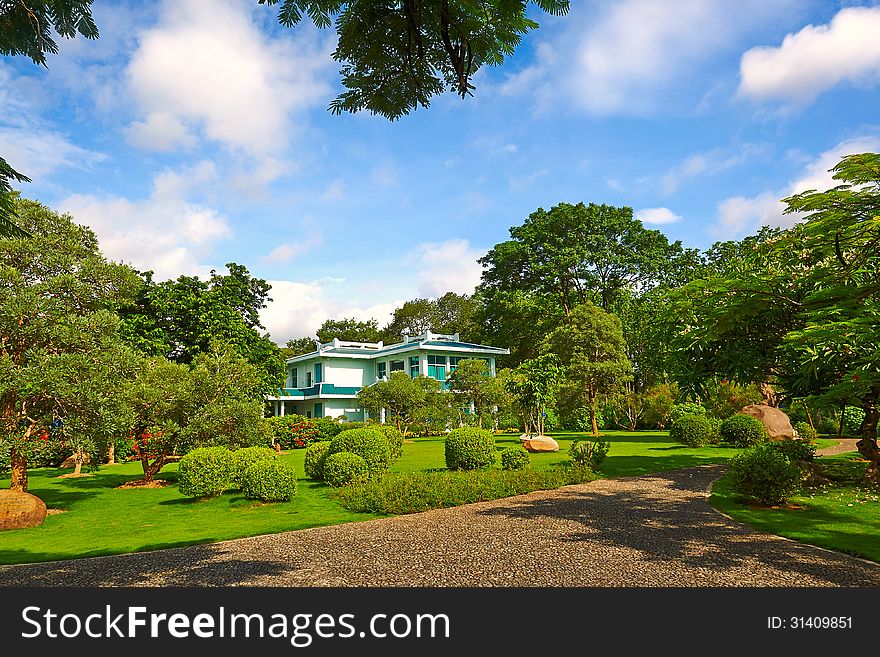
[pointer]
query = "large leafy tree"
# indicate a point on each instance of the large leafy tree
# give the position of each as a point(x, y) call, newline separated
point(28, 27)
point(395, 56)
point(406, 400)
point(180, 318)
point(533, 387)
point(472, 383)
point(349, 328)
point(57, 300)
point(449, 314)
point(804, 304)
point(591, 347)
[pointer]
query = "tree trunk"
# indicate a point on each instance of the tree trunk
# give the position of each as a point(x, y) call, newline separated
point(78, 460)
point(111, 454)
point(151, 469)
point(18, 463)
point(768, 394)
point(867, 444)
point(593, 424)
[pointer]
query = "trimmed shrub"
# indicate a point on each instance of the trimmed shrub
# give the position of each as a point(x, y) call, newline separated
point(692, 430)
point(468, 448)
point(328, 428)
point(395, 440)
point(369, 443)
point(794, 450)
point(685, 408)
point(344, 468)
point(412, 492)
point(205, 472)
point(244, 458)
point(515, 457)
point(270, 481)
point(589, 454)
point(743, 431)
point(316, 454)
point(852, 420)
point(764, 475)
point(805, 431)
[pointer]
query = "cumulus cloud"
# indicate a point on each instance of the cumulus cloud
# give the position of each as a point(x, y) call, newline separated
point(449, 266)
point(815, 59)
point(298, 309)
point(37, 151)
point(208, 64)
point(625, 57)
point(740, 215)
point(160, 131)
point(285, 252)
point(657, 216)
point(165, 233)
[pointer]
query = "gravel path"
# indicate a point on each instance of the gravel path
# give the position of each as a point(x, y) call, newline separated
point(655, 530)
point(843, 445)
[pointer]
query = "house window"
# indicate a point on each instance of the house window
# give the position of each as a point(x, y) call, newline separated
point(319, 410)
point(293, 382)
point(437, 367)
point(381, 370)
point(413, 366)
point(318, 378)
point(308, 379)
point(397, 366)
point(453, 362)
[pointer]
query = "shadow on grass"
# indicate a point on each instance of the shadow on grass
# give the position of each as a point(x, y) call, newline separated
point(683, 529)
point(196, 565)
point(629, 466)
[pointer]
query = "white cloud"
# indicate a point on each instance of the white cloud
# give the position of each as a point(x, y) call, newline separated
point(298, 309)
point(207, 63)
point(625, 57)
point(449, 266)
point(36, 151)
point(815, 59)
point(524, 181)
point(740, 215)
point(708, 163)
point(335, 190)
point(160, 132)
point(165, 233)
point(284, 252)
point(657, 216)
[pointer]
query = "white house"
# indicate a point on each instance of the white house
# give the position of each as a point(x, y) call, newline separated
point(325, 382)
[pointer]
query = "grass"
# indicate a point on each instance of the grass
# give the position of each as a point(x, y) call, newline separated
point(844, 516)
point(101, 520)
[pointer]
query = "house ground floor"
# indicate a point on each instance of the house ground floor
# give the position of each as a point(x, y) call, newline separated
point(320, 408)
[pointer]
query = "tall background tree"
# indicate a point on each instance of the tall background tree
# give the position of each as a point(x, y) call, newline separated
point(395, 56)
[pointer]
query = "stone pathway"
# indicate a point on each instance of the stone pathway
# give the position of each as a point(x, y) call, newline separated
point(655, 530)
point(843, 445)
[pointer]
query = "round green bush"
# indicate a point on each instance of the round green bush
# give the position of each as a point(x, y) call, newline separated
point(244, 458)
point(270, 481)
point(686, 408)
point(515, 457)
point(794, 450)
point(743, 431)
point(328, 428)
point(204, 472)
point(343, 468)
point(805, 431)
point(369, 443)
point(316, 454)
point(692, 430)
point(764, 475)
point(395, 440)
point(589, 454)
point(469, 448)
point(852, 420)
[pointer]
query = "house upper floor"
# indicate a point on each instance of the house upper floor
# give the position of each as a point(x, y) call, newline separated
point(342, 368)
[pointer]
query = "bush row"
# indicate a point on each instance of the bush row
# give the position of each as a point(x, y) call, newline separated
point(354, 454)
point(420, 491)
point(209, 471)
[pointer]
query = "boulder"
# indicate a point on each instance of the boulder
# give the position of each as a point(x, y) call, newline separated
point(70, 461)
point(20, 510)
point(778, 424)
point(539, 443)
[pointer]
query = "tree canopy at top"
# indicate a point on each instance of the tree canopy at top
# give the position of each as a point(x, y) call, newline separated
point(395, 55)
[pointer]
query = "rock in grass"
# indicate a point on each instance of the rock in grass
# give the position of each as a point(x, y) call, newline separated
point(20, 510)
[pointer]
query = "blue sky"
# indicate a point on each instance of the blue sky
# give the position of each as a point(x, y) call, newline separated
point(195, 133)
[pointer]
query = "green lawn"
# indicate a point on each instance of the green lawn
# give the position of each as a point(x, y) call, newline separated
point(101, 520)
point(843, 518)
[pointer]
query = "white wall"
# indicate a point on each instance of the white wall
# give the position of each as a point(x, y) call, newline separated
point(349, 371)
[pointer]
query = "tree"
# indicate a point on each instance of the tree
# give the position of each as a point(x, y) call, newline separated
point(810, 294)
point(180, 318)
point(395, 56)
point(404, 399)
point(449, 314)
point(533, 386)
point(298, 347)
point(591, 347)
point(57, 300)
point(173, 407)
point(350, 329)
point(472, 383)
point(27, 28)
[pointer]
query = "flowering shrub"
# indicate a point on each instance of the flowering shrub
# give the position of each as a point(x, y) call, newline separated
point(294, 431)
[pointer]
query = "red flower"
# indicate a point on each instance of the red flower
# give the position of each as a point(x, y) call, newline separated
point(855, 377)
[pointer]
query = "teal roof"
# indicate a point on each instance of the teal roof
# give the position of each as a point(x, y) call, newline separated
point(318, 390)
